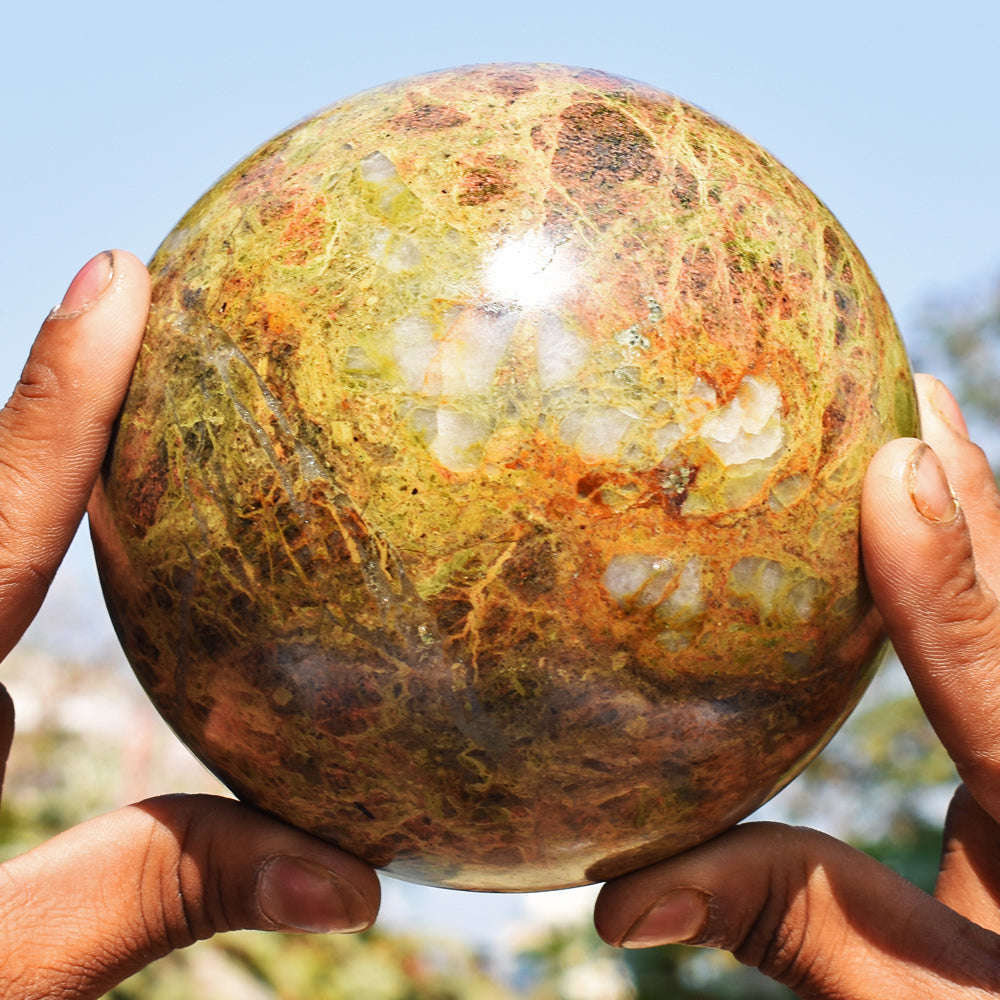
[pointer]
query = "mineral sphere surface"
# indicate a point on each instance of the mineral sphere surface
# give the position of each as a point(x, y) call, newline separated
point(486, 498)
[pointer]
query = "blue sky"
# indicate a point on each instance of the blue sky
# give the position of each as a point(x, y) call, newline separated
point(116, 117)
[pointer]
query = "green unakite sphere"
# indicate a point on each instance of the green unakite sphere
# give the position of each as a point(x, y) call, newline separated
point(486, 498)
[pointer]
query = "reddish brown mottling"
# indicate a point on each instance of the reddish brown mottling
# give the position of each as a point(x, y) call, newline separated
point(486, 497)
point(429, 116)
point(513, 84)
point(486, 178)
point(601, 148)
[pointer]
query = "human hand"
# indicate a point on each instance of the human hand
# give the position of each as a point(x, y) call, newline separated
point(809, 911)
point(91, 906)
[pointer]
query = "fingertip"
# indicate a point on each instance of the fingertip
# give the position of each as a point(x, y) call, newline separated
point(930, 492)
point(938, 405)
point(106, 275)
point(55, 427)
point(89, 285)
point(929, 530)
point(888, 462)
point(910, 516)
point(886, 507)
point(350, 876)
point(688, 898)
point(298, 893)
point(102, 316)
point(131, 274)
point(674, 916)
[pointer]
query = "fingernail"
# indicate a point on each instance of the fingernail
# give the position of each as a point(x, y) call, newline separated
point(90, 283)
point(679, 916)
point(929, 490)
point(947, 408)
point(304, 896)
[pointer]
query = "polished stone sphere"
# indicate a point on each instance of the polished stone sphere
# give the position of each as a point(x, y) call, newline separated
point(486, 498)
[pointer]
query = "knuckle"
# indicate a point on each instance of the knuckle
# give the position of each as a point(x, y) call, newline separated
point(977, 462)
point(961, 595)
point(164, 911)
point(28, 561)
point(189, 895)
point(38, 381)
point(35, 416)
point(773, 940)
point(967, 606)
point(781, 936)
point(217, 893)
point(39, 388)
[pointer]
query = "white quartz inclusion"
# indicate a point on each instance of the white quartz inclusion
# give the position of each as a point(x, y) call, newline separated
point(665, 437)
point(474, 344)
point(760, 580)
point(394, 252)
point(377, 168)
point(357, 361)
point(402, 255)
point(774, 588)
point(560, 352)
point(597, 431)
point(703, 393)
point(457, 437)
point(748, 427)
point(461, 361)
point(802, 597)
point(414, 349)
point(634, 577)
point(686, 601)
point(451, 362)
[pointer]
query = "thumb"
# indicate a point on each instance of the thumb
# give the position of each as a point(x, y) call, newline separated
point(95, 904)
point(932, 567)
point(808, 911)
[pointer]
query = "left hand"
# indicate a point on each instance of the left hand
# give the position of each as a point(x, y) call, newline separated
point(83, 911)
point(807, 910)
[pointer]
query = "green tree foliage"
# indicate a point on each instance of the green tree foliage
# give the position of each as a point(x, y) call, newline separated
point(960, 342)
point(249, 965)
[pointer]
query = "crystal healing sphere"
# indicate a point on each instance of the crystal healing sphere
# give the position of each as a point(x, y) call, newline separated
point(486, 497)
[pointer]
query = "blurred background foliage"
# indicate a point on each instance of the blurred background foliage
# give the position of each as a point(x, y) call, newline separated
point(959, 340)
point(882, 784)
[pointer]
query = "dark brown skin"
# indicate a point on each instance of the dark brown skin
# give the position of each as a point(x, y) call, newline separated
point(83, 911)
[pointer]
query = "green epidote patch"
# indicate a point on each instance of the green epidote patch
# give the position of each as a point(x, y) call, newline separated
point(486, 499)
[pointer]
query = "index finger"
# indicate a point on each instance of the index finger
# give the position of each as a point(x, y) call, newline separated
point(55, 427)
point(968, 469)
